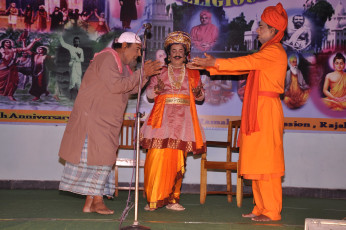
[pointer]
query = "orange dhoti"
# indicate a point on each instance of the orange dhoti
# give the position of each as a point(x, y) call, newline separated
point(163, 174)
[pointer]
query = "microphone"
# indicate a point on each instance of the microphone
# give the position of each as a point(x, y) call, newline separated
point(147, 26)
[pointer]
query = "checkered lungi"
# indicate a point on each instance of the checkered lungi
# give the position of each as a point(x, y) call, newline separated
point(93, 180)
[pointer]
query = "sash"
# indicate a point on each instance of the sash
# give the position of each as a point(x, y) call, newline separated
point(116, 58)
point(259, 93)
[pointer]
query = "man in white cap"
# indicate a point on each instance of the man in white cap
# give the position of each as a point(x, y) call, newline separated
point(91, 138)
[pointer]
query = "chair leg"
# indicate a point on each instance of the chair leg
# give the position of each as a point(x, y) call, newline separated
point(239, 192)
point(229, 185)
point(239, 188)
point(116, 192)
point(203, 186)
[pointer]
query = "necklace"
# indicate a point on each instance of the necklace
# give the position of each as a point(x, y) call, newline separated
point(176, 80)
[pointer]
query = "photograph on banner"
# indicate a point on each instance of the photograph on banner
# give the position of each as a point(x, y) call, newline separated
point(47, 45)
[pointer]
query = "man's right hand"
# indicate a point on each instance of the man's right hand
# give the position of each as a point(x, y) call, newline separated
point(204, 62)
point(152, 68)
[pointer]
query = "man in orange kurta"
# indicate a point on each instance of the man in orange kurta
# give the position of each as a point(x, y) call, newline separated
point(261, 140)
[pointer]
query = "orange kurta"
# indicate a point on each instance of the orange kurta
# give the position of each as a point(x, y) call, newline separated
point(261, 153)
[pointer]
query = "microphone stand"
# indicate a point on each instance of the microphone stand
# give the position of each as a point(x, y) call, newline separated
point(135, 224)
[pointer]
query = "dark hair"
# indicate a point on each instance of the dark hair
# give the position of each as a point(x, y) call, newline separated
point(298, 15)
point(75, 38)
point(5, 40)
point(45, 50)
point(117, 45)
point(339, 56)
point(168, 51)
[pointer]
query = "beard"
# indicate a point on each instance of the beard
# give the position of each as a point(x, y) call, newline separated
point(294, 70)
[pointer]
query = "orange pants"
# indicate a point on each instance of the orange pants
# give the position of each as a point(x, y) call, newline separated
point(163, 175)
point(268, 197)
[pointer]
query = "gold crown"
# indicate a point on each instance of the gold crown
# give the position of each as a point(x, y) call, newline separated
point(179, 37)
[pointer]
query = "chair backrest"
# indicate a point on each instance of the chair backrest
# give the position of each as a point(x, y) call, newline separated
point(232, 138)
point(126, 136)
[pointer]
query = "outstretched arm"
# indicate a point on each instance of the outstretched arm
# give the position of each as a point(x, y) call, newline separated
point(91, 13)
point(29, 46)
point(107, 26)
point(202, 63)
point(64, 44)
point(96, 14)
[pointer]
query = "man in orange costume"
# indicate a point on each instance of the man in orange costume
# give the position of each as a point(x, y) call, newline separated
point(172, 129)
point(261, 140)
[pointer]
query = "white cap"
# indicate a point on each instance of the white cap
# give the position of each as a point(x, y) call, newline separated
point(129, 37)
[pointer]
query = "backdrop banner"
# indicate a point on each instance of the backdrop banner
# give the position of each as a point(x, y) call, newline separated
point(47, 45)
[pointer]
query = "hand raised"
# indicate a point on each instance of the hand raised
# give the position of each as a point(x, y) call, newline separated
point(191, 65)
point(151, 68)
point(209, 60)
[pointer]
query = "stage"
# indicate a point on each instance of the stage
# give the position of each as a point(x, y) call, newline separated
point(52, 209)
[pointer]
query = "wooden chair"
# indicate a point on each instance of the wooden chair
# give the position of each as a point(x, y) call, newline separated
point(228, 165)
point(126, 141)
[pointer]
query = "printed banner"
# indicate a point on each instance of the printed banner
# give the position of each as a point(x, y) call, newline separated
point(47, 45)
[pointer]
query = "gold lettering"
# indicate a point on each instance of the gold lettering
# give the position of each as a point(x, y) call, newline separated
point(206, 3)
point(238, 2)
point(228, 3)
point(188, 1)
point(217, 3)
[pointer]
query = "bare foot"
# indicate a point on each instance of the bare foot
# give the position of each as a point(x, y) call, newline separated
point(87, 205)
point(261, 218)
point(99, 207)
point(249, 215)
point(56, 97)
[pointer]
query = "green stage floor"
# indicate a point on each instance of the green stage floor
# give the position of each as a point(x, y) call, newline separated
point(51, 209)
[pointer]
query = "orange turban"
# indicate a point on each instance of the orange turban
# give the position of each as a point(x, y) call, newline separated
point(276, 17)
